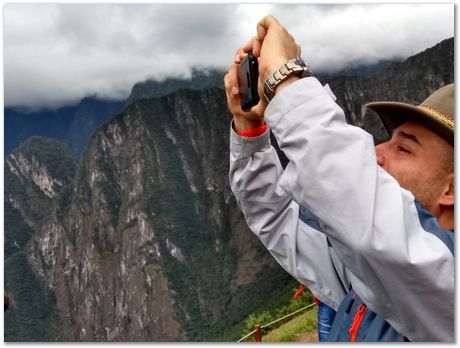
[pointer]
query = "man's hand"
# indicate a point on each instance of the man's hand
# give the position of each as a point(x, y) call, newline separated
point(242, 120)
point(277, 46)
point(274, 46)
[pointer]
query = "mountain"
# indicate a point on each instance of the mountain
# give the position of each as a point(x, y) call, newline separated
point(199, 79)
point(75, 124)
point(36, 175)
point(148, 243)
point(141, 239)
point(357, 70)
point(72, 125)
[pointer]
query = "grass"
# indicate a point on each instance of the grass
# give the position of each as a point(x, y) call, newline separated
point(302, 328)
point(293, 330)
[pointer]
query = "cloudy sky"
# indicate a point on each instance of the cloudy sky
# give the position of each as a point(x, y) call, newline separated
point(56, 54)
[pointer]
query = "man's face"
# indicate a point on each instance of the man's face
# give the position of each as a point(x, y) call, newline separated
point(415, 157)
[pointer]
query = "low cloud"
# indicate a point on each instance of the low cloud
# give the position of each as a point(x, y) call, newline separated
point(56, 54)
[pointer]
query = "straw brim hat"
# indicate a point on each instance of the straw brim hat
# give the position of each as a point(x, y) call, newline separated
point(435, 113)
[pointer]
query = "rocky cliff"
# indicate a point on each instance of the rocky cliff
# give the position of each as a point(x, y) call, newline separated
point(151, 245)
point(37, 175)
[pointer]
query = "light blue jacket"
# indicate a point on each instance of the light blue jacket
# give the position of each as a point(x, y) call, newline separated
point(359, 229)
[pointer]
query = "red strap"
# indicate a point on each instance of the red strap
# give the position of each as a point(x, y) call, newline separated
point(253, 132)
point(299, 291)
point(357, 321)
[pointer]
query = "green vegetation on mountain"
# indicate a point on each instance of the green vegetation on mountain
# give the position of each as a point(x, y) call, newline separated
point(52, 154)
point(32, 316)
point(265, 317)
point(17, 232)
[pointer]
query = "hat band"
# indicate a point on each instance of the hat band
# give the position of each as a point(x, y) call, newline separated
point(439, 115)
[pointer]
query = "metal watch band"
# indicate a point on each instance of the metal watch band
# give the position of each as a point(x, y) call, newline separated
point(294, 66)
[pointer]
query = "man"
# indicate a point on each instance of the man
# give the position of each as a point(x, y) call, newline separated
point(366, 229)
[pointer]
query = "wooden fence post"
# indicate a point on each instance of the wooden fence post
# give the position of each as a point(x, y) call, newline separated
point(258, 334)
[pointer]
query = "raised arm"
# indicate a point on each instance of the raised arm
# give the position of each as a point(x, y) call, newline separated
point(271, 214)
point(400, 266)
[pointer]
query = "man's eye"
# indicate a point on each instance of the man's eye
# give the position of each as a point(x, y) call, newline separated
point(403, 149)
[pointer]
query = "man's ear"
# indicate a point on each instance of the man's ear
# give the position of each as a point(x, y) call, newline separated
point(447, 196)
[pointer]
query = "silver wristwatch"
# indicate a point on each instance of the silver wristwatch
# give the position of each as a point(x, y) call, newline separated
point(294, 66)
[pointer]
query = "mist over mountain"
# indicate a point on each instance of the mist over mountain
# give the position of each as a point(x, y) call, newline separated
point(75, 124)
point(140, 238)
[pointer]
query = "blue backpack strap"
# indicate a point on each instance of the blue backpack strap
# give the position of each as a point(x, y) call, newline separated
point(372, 327)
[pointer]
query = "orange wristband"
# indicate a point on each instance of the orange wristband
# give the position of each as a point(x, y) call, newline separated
point(253, 132)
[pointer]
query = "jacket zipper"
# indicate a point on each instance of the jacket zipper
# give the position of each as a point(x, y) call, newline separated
point(357, 321)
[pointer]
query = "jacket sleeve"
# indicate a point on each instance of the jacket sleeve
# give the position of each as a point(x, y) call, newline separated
point(402, 272)
point(273, 217)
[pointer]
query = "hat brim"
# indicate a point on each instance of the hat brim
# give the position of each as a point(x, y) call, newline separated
point(393, 114)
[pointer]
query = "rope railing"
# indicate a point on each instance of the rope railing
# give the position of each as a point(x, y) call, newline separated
point(249, 334)
point(277, 320)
